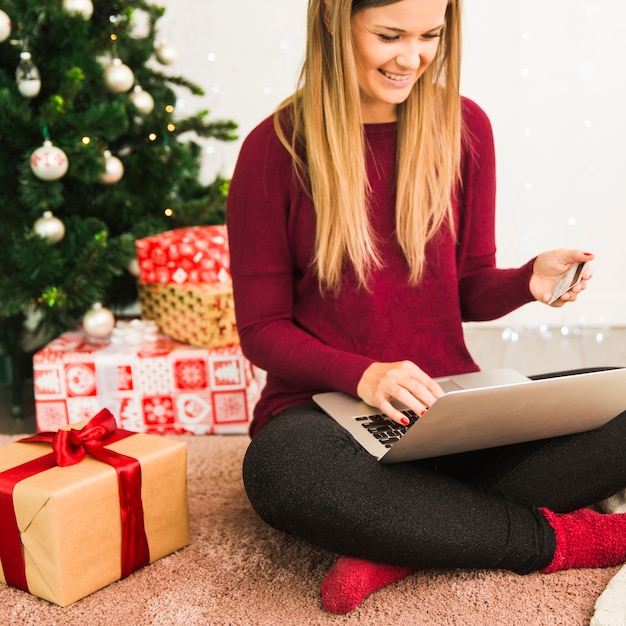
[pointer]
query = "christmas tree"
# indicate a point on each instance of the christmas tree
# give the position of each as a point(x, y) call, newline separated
point(92, 157)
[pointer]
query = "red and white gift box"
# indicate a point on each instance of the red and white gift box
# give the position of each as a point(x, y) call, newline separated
point(156, 386)
point(196, 254)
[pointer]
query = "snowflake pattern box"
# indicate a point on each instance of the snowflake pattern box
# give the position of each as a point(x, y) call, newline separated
point(160, 386)
point(197, 254)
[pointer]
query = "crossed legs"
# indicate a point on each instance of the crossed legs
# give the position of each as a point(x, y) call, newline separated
point(487, 509)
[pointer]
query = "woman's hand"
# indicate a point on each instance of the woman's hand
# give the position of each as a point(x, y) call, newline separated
point(548, 268)
point(403, 381)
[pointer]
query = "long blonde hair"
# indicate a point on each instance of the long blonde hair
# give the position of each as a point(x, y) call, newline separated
point(327, 144)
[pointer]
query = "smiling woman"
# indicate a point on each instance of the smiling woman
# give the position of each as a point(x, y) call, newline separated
point(547, 78)
point(343, 87)
point(394, 44)
point(361, 219)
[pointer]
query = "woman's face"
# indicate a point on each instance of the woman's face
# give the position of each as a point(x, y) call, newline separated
point(393, 45)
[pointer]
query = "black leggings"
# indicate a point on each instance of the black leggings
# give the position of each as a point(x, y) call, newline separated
point(306, 475)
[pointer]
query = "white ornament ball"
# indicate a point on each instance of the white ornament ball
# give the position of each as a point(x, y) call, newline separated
point(5, 26)
point(166, 53)
point(49, 162)
point(119, 78)
point(142, 100)
point(29, 88)
point(49, 227)
point(113, 169)
point(28, 77)
point(83, 7)
point(98, 321)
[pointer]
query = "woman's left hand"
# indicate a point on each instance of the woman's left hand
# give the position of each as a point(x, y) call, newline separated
point(550, 266)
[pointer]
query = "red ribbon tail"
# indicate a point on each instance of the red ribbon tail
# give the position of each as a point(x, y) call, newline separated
point(135, 550)
point(11, 552)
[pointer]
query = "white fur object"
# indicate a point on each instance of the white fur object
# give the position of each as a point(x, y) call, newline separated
point(614, 504)
point(610, 609)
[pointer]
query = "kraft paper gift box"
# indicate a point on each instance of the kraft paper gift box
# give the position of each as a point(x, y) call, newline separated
point(150, 382)
point(196, 254)
point(63, 534)
point(202, 315)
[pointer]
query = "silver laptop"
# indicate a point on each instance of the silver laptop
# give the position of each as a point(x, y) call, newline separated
point(484, 410)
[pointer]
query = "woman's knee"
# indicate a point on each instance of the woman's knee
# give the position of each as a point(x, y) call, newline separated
point(286, 461)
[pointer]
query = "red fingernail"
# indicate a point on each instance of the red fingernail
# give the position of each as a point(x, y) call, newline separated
point(587, 253)
point(405, 421)
point(423, 413)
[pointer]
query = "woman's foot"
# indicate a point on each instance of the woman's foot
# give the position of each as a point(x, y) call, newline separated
point(586, 538)
point(351, 580)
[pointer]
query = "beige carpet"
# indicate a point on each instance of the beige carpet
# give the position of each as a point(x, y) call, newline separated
point(239, 571)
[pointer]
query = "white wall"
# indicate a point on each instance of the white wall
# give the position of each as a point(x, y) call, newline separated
point(549, 74)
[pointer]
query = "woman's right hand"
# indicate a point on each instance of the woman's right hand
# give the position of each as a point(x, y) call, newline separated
point(403, 381)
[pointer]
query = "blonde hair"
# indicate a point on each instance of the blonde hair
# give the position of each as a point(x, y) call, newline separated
point(328, 147)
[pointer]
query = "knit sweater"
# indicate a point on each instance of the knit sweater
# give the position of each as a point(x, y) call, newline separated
point(308, 341)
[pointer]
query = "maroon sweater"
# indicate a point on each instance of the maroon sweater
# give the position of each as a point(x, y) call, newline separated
point(308, 342)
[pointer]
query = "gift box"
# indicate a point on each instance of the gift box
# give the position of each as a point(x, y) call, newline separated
point(197, 254)
point(199, 314)
point(152, 384)
point(81, 509)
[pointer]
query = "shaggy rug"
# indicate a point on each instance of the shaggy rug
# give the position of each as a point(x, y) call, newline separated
point(238, 571)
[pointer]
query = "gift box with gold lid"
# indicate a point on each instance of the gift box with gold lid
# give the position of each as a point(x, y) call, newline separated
point(68, 530)
point(194, 254)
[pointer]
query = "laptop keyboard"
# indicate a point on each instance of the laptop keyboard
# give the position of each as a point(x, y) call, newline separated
point(385, 430)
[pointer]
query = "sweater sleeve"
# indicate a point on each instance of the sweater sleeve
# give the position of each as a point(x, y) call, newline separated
point(261, 202)
point(486, 291)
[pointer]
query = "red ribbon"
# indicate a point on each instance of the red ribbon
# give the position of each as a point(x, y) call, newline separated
point(68, 448)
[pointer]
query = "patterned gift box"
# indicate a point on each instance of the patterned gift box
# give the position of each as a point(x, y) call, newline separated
point(157, 386)
point(74, 523)
point(202, 315)
point(197, 254)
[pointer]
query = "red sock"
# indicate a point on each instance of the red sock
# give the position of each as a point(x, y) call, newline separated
point(586, 538)
point(350, 581)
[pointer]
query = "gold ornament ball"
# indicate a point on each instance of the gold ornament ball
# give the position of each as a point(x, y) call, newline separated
point(142, 100)
point(119, 78)
point(82, 7)
point(98, 321)
point(113, 169)
point(49, 227)
point(133, 267)
point(166, 53)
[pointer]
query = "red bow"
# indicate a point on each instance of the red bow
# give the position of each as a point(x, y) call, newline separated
point(71, 446)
